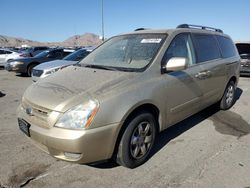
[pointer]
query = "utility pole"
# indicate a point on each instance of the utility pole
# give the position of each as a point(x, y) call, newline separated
point(102, 23)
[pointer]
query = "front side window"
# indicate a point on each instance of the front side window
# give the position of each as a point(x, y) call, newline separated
point(181, 46)
point(206, 47)
point(42, 54)
point(127, 52)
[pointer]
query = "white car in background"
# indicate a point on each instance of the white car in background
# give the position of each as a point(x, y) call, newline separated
point(45, 69)
point(7, 55)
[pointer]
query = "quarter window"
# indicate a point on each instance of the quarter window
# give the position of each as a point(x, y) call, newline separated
point(227, 47)
point(206, 48)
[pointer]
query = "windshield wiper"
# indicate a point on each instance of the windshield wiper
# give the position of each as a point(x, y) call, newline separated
point(100, 67)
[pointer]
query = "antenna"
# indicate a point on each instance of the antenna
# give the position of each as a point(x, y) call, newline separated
point(102, 23)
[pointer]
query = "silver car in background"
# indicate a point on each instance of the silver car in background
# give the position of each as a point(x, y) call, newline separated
point(45, 69)
point(7, 55)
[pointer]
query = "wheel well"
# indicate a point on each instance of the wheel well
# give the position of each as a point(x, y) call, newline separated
point(33, 63)
point(143, 108)
point(233, 78)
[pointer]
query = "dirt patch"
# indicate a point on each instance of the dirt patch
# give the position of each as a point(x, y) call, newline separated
point(230, 123)
point(176, 141)
point(25, 173)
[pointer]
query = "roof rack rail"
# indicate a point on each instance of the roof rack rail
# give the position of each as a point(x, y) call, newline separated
point(140, 29)
point(199, 27)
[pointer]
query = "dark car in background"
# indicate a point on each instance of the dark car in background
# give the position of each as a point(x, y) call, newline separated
point(45, 69)
point(25, 65)
point(33, 51)
point(244, 51)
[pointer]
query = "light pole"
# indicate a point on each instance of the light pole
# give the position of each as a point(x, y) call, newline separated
point(102, 23)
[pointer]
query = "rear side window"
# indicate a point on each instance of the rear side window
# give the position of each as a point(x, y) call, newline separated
point(206, 48)
point(227, 47)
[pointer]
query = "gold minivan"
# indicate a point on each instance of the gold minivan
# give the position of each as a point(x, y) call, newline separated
point(114, 102)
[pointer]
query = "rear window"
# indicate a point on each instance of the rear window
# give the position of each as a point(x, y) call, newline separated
point(227, 47)
point(206, 48)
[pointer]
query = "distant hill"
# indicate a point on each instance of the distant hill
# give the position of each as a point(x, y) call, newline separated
point(17, 42)
point(87, 39)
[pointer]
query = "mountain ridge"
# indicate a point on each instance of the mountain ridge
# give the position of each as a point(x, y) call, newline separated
point(86, 39)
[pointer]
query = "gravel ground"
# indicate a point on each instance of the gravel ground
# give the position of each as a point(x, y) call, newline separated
point(209, 149)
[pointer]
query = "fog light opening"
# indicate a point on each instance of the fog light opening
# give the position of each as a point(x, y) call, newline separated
point(72, 156)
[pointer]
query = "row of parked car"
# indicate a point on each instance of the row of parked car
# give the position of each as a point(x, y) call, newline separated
point(39, 62)
point(27, 61)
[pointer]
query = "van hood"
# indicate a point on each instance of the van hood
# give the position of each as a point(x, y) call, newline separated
point(75, 85)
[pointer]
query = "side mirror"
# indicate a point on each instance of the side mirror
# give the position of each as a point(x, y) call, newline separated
point(175, 64)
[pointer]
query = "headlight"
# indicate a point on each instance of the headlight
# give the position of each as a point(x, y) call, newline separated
point(13, 63)
point(79, 117)
point(52, 71)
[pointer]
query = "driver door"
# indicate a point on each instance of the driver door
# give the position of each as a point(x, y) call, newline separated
point(183, 94)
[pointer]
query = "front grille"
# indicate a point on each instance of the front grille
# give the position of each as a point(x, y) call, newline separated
point(37, 73)
point(37, 114)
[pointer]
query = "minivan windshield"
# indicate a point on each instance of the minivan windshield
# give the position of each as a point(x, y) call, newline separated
point(131, 52)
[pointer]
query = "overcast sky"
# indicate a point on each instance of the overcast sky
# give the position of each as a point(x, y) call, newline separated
point(56, 20)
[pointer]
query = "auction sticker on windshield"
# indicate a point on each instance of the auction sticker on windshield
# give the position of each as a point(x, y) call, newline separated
point(151, 40)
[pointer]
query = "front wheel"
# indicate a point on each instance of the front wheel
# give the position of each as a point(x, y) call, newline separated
point(228, 98)
point(29, 71)
point(137, 141)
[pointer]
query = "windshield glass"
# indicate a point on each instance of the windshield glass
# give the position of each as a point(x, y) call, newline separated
point(126, 52)
point(42, 54)
point(77, 55)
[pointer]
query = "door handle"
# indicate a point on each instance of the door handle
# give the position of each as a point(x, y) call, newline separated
point(203, 74)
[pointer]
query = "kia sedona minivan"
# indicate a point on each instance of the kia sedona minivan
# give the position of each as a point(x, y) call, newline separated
point(114, 103)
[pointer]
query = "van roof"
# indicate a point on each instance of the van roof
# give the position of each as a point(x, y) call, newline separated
point(181, 28)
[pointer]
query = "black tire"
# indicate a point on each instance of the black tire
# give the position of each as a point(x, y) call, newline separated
point(228, 99)
point(29, 70)
point(127, 155)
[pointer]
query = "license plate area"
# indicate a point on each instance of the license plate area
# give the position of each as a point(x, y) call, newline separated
point(24, 126)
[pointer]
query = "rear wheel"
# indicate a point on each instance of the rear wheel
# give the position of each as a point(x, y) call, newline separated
point(228, 98)
point(137, 141)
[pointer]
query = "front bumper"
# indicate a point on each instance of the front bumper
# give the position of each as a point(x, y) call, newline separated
point(20, 68)
point(244, 70)
point(80, 146)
